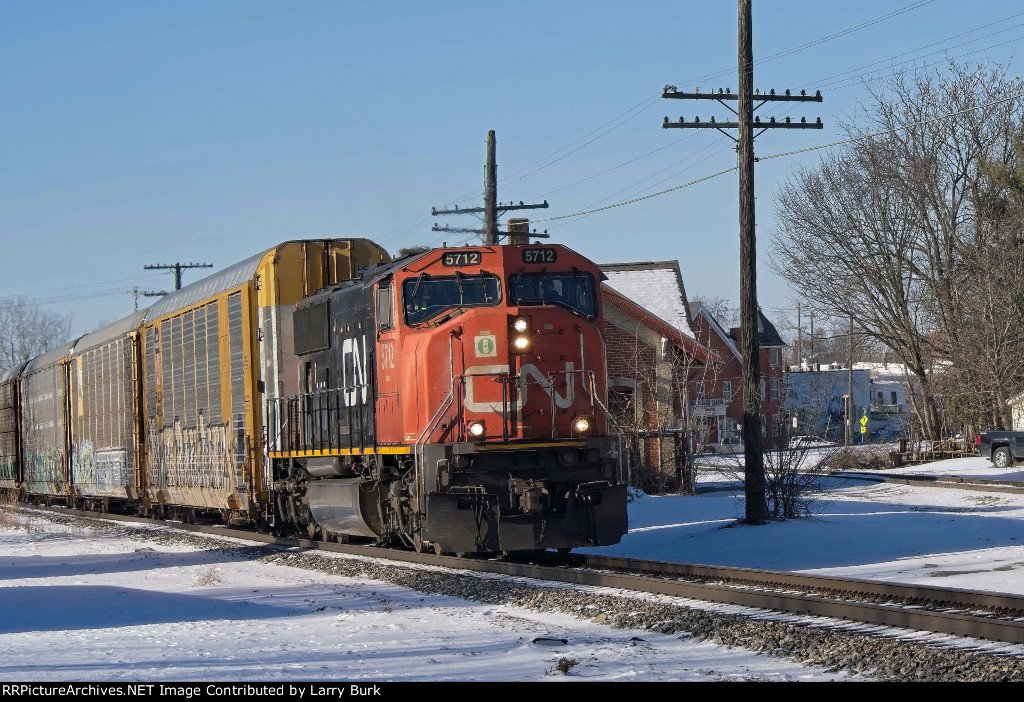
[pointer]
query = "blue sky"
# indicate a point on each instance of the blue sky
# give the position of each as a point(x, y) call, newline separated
point(135, 133)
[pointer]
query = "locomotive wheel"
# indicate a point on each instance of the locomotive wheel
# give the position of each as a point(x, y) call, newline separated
point(437, 548)
point(417, 543)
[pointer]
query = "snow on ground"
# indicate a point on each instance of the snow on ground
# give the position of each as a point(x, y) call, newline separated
point(82, 606)
point(79, 605)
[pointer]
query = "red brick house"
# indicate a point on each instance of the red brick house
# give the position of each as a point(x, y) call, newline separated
point(716, 390)
point(651, 354)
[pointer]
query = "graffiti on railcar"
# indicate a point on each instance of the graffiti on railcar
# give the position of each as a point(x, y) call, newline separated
point(8, 467)
point(196, 457)
point(44, 470)
point(103, 472)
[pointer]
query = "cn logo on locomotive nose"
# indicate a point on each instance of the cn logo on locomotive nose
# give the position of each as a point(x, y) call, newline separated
point(529, 375)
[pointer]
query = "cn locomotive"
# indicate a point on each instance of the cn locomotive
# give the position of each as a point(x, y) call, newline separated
point(451, 399)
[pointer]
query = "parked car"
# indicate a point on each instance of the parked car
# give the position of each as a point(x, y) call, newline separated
point(1003, 448)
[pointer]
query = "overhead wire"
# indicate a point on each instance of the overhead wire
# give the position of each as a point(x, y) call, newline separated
point(790, 108)
point(649, 102)
point(787, 153)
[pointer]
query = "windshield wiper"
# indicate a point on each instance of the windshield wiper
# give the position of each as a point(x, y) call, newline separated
point(419, 280)
point(462, 290)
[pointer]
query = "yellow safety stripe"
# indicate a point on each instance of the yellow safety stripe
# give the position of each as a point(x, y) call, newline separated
point(341, 452)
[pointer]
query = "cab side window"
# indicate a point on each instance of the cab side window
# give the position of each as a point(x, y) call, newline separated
point(385, 307)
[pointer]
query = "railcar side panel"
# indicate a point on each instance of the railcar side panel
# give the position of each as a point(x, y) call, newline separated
point(10, 436)
point(43, 421)
point(104, 446)
point(193, 363)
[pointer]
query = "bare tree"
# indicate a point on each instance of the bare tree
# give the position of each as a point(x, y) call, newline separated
point(721, 309)
point(885, 230)
point(27, 330)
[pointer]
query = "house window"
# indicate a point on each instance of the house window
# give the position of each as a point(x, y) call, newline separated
point(761, 389)
point(881, 398)
point(773, 356)
point(727, 390)
point(776, 390)
point(699, 390)
point(894, 397)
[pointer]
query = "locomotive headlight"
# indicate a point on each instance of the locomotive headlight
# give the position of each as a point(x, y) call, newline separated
point(581, 425)
point(520, 339)
point(476, 429)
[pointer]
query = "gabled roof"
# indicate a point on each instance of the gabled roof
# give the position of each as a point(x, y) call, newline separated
point(656, 286)
point(767, 334)
point(644, 316)
point(697, 309)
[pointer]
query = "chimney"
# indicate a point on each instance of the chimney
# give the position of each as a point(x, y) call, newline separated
point(518, 225)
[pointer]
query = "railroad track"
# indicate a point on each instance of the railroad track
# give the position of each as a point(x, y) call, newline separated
point(940, 481)
point(969, 613)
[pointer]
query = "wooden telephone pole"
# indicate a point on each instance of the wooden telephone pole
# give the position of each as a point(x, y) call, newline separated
point(492, 209)
point(176, 267)
point(754, 481)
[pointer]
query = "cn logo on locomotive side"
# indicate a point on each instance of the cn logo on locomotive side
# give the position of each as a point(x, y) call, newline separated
point(357, 384)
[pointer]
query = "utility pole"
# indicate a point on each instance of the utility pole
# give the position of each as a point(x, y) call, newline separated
point(811, 354)
point(754, 480)
point(492, 209)
point(135, 292)
point(176, 267)
point(849, 409)
point(799, 340)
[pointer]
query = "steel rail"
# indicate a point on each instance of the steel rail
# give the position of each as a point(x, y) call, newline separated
point(940, 481)
point(751, 592)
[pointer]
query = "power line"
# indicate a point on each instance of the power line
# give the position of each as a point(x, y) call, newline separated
point(787, 153)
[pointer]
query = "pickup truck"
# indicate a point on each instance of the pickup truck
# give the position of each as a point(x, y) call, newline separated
point(1003, 448)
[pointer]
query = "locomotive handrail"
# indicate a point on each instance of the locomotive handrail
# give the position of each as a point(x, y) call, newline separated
point(418, 445)
point(307, 412)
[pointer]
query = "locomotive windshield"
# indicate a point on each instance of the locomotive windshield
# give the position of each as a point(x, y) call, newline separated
point(426, 297)
point(572, 290)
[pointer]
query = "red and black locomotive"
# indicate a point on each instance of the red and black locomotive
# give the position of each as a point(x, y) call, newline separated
point(452, 399)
